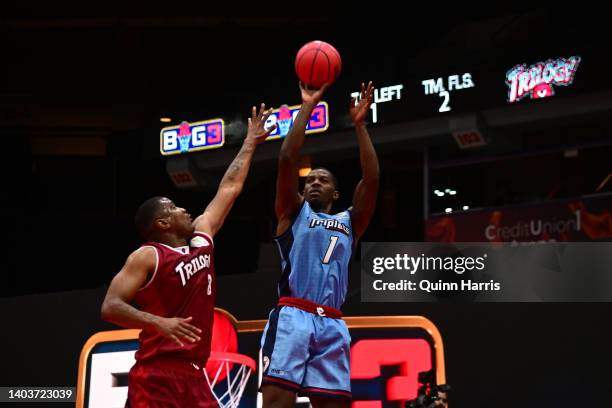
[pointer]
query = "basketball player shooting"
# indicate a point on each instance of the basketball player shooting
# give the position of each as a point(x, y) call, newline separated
point(306, 344)
point(172, 280)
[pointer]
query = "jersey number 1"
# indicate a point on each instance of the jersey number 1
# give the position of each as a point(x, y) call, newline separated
point(330, 249)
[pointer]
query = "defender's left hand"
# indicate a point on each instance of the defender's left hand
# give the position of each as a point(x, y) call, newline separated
point(256, 130)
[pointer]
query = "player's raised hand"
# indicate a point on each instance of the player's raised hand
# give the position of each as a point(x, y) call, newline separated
point(177, 329)
point(312, 96)
point(359, 110)
point(256, 130)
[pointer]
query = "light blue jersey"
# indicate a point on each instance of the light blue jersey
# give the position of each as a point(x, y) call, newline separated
point(302, 351)
point(315, 256)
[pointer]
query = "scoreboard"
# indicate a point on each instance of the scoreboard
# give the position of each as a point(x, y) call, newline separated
point(427, 92)
point(508, 79)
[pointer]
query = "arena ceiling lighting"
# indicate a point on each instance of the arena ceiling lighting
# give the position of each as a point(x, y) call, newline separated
point(304, 171)
point(446, 191)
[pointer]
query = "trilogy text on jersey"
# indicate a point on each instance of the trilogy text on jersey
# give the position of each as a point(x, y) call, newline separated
point(187, 270)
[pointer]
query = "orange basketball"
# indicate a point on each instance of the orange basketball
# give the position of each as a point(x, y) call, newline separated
point(224, 339)
point(317, 63)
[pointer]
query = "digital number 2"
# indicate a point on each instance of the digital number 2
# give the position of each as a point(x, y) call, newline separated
point(444, 107)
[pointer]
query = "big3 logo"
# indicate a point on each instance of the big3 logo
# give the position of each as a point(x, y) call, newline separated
point(192, 137)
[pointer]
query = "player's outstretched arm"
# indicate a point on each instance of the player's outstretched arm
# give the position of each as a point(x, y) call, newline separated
point(232, 182)
point(364, 198)
point(116, 307)
point(288, 199)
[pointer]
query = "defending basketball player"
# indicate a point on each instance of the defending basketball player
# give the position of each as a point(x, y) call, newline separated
point(172, 280)
point(306, 344)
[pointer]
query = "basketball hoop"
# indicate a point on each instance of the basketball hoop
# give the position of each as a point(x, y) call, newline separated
point(236, 382)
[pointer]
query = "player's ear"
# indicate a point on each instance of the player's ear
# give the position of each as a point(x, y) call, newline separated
point(336, 195)
point(162, 224)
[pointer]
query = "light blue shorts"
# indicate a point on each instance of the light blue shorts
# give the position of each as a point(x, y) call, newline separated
point(306, 353)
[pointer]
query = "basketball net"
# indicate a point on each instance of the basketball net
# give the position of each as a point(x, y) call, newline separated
point(236, 378)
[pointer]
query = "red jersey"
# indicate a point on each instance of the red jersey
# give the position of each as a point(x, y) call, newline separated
point(182, 285)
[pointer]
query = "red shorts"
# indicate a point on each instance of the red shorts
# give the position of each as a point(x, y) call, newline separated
point(168, 384)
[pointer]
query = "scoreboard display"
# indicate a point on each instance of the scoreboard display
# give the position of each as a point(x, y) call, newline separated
point(463, 87)
point(471, 87)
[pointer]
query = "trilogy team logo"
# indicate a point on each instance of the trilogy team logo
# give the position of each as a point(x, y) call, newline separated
point(192, 137)
point(538, 79)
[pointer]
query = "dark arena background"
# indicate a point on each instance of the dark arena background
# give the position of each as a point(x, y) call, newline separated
point(462, 147)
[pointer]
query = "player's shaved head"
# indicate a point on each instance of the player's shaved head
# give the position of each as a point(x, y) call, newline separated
point(147, 213)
